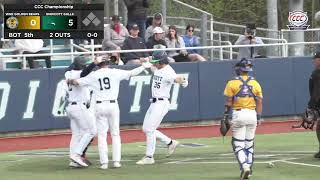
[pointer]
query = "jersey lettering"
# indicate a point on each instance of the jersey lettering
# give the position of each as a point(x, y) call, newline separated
point(157, 81)
point(104, 83)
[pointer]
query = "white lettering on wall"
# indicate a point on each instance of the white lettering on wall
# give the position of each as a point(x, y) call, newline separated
point(33, 86)
point(138, 81)
point(59, 100)
point(5, 86)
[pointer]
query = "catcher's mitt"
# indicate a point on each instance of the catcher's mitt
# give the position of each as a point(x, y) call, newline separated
point(224, 126)
point(309, 119)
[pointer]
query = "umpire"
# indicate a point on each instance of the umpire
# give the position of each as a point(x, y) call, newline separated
point(314, 90)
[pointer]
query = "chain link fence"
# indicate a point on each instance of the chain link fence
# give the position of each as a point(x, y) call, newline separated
point(309, 35)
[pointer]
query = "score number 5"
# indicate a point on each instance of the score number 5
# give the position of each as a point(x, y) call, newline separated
point(70, 22)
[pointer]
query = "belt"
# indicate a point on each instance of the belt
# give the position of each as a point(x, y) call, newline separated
point(153, 100)
point(75, 103)
point(242, 109)
point(111, 101)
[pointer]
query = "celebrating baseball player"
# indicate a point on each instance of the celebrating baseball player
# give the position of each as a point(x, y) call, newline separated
point(244, 97)
point(105, 83)
point(163, 79)
point(82, 120)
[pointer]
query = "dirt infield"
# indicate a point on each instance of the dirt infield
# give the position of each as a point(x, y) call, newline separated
point(136, 135)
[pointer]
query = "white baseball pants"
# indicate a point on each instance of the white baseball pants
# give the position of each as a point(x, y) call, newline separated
point(83, 128)
point(244, 123)
point(152, 120)
point(108, 118)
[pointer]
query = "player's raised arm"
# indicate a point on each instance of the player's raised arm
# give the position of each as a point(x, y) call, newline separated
point(138, 70)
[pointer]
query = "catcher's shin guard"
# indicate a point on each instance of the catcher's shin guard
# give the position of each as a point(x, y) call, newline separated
point(239, 151)
point(249, 149)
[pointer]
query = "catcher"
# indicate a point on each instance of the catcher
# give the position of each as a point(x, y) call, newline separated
point(312, 113)
point(244, 97)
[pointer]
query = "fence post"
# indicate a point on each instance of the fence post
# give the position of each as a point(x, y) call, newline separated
point(204, 34)
point(116, 7)
point(106, 9)
point(125, 13)
point(164, 11)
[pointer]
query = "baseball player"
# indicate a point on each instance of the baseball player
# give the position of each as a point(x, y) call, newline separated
point(105, 83)
point(314, 101)
point(163, 79)
point(84, 72)
point(81, 118)
point(244, 97)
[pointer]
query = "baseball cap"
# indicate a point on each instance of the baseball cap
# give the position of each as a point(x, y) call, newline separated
point(115, 18)
point(157, 16)
point(158, 56)
point(158, 30)
point(134, 27)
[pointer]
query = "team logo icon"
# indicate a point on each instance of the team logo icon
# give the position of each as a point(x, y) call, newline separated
point(298, 20)
point(12, 22)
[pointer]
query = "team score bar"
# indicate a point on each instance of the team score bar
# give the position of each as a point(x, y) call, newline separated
point(54, 35)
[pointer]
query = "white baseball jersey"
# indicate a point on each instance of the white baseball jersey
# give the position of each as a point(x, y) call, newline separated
point(105, 82)
point(162, 82)
point(76, 93)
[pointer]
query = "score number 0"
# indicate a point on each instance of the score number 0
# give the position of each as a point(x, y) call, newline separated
point(33, 22)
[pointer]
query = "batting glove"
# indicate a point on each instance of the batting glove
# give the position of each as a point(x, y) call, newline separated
point(184, 83)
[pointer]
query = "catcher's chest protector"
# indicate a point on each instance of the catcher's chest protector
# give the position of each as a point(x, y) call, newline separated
point(245, 88)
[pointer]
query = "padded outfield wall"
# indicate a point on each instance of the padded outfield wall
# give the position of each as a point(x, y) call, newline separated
point(30, 99)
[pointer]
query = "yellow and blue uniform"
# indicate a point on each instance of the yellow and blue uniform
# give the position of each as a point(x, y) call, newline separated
point(234, 87)
point(244, 91)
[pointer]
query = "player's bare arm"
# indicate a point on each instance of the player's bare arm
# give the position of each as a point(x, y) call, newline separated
point(138, 70)
point(259, 107)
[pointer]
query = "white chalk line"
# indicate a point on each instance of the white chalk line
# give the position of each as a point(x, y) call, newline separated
point(300, 164)
point(188, 161)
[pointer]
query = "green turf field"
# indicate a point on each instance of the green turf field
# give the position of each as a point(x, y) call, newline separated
point(292, 155)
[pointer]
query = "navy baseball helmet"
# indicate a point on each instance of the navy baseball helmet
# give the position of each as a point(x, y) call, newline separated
point(159, 56)
point(245, 65)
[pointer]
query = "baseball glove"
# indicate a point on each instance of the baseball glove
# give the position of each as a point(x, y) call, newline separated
point(309, 119)
point(224, 125)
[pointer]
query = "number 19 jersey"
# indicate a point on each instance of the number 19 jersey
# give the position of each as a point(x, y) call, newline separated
point(162, 82)
point(105, 82)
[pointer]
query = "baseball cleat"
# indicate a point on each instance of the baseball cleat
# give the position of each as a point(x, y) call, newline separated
point(172, 147)
point(116, 164)
point(74, 165)
point(245, 173)
point(145, 160)
point(77, 159)
point(317, 155)
point(104, 166)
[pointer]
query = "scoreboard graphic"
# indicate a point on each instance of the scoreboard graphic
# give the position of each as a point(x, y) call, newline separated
point(52, 21)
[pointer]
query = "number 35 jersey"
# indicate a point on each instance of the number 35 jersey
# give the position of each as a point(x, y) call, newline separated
point(162, 82)
point(105, 82)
